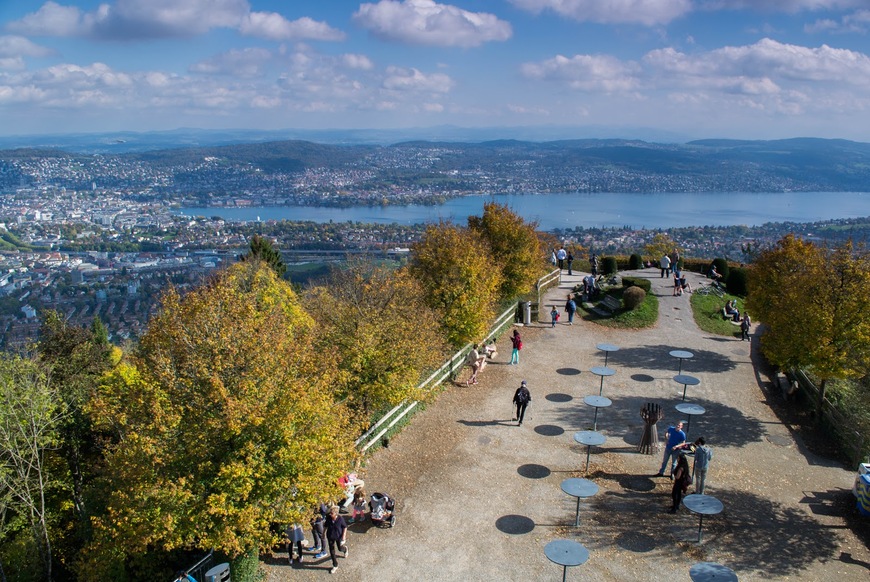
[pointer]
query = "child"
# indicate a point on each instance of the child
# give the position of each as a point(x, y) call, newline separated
point(554, 316)
point(359, 505)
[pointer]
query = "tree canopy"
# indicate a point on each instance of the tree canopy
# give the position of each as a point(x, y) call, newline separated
point(262, 249)
point(224, 419)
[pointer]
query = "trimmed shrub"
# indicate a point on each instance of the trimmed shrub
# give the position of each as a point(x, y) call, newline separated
point(633, 297)
point(644, 284)
point(608, 265)
point(246, 567)
point(736, 281)
point(635, 262)
point(721, 266)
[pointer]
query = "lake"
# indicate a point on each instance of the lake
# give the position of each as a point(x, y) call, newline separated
point(552, 211)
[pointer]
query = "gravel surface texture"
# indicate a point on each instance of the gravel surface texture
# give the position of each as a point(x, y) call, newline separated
point(479, 497)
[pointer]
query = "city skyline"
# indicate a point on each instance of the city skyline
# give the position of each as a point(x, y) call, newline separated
point(697, 68)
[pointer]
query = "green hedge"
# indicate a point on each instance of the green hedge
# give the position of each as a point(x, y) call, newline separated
point(644, 284)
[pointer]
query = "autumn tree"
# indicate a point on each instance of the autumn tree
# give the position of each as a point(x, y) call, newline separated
point(225, 423)
point(262, 249)
point(455, 267)
point(514, 246)
point(31, 411)
point(660, 245)
point(376, 324)
point(815, 305)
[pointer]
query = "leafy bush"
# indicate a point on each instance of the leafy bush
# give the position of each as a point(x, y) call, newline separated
point(736, 281)
point(633, 297)
point(722, 267)
point(635, 262)
point(608, 265)
point(644, 284)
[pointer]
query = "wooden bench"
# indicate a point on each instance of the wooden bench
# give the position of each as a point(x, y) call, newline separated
point(607, 306)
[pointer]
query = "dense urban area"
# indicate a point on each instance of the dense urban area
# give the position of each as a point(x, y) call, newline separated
point(96, 235)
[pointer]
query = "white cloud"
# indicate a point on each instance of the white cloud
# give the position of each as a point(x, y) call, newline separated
point(18, 46)
point(587, 72)
point(247, 62)
point(790, 6)
point(273, 26)
point(426, 22)
point(353, 61)
point(404, 79)
point(647, 12)
point(857, 22)
point(146, 19)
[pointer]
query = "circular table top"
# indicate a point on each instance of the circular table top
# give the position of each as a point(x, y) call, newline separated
point(682, 354)
point(566, 552)
point(686, 380)
point(711, 572)
point(589, 438)
point(690, 409)
point(597, 401)
point(608, 347)
point(602, 371)
point(577, 487)
point(703, 504)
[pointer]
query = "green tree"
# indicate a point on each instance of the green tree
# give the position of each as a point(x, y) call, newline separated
point(31, 411)
point(376, 324)
point(225, 422)
point(453, 264)
point(514, 245)
point(815, 305)
point(262, 249)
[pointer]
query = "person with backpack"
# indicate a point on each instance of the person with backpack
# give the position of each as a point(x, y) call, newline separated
point(522, 397)
point(517, 344)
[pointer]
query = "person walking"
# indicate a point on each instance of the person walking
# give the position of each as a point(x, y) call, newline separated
point(674, 436)
point(665, 264)
point(570, 308)
point(295, 535)
point(570, 262)
point(522, 397)
point(554, 316)
point(318, 533)
point(745, 326)
point(517, 345)
point(682, 479)
point(336, 534)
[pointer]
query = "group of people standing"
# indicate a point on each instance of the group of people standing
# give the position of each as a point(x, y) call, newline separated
point(676, 454)
point(328, 530)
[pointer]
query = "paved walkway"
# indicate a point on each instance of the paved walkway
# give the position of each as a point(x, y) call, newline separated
point(479, 497)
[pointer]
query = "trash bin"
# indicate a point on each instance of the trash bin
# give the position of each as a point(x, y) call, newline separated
point(527, 312)
point(220, 573)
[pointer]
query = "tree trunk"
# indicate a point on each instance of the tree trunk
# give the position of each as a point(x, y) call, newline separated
point(820, 403)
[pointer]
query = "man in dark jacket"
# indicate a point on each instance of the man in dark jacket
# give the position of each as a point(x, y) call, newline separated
point(522, 397)
point(336, 533)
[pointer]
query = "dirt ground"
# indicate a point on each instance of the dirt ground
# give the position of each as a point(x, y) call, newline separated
point(479, 497)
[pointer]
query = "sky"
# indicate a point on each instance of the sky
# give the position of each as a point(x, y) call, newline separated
point(746, 69)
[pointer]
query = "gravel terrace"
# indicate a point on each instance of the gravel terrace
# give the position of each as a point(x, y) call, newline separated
point(479, 497)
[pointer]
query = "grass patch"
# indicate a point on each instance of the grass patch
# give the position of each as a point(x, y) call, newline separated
point(707, 311)
point(645, 315)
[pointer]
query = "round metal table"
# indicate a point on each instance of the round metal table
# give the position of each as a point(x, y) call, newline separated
point(597, 402)
point(566, 553)
point(590, 439)
point(690, 410)
point(686, 381)
point(607, 348)
point(711, 572)
point(579, 488)
point(681, 355)
point(602, 372)
point(702, 505)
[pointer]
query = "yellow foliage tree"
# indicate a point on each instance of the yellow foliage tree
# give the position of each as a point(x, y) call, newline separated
point(225, 422)
point(514, 245)
point(815, 305)
point(377, 326)
point(455, 268)
point(660, 245)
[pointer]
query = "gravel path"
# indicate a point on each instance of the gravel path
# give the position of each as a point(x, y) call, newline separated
point(479, 497)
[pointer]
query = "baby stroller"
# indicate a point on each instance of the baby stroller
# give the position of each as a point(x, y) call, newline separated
point(382, 508)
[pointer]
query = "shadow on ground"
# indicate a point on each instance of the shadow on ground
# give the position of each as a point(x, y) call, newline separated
point(720, 425)
point(659, 358)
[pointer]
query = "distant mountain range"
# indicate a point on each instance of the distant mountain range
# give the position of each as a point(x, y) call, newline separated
point(439, 168)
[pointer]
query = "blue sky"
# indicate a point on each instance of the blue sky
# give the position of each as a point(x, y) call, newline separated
point(755, 69)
